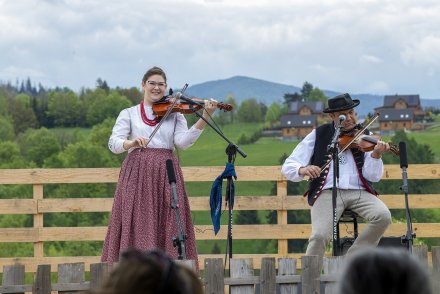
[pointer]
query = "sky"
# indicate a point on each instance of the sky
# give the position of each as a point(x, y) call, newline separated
point(360, 46)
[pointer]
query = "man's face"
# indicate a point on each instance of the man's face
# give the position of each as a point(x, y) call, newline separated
point(350, 120)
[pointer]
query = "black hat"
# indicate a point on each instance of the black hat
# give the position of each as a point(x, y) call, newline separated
point(341, 102)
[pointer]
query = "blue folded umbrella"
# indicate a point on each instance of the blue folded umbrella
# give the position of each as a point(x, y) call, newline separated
point(215, 200)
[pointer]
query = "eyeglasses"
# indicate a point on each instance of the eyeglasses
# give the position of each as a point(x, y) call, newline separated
point(154, 257)
point(156, 84)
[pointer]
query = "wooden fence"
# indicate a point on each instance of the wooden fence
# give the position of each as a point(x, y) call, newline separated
point(241, 280)
point(38, 206)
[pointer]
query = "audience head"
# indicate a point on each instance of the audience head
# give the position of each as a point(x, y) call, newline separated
point(149, 272)
point(384, 271)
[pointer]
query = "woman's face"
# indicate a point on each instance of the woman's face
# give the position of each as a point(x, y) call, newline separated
point(154, 89)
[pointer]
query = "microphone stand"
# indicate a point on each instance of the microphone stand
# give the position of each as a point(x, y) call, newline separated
point(231, 151)
point(178, 241)
point(334, 149)
point(409, 237)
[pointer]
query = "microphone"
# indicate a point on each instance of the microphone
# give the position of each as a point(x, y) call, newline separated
point(402, 156)
point(180, 96)
point(170, 172)
point(342, 118)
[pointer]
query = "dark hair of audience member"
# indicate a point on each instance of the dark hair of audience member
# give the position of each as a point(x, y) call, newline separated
point(149, 272)
point(384, 271)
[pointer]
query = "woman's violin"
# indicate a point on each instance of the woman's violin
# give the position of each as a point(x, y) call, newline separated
point(161, 107)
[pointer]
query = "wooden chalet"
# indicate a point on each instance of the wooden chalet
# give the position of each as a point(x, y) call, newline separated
point(301, 119)
point(401, 112)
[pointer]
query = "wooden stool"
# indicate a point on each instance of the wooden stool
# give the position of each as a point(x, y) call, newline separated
point(348, 216)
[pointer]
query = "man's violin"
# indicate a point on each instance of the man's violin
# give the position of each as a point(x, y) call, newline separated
point(364, 143)
point(161, 107)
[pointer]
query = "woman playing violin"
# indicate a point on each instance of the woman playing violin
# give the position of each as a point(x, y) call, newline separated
point(142, 216)
point(357, 171)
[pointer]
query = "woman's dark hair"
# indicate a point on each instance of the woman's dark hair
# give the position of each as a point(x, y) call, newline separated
point(154, 71)
point(384, 271)
point(154, 272)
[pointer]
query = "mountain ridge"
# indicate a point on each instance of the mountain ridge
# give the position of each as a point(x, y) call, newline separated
point(267, 92)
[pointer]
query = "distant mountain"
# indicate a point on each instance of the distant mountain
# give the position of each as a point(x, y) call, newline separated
point(268, 92)
point(243, 88)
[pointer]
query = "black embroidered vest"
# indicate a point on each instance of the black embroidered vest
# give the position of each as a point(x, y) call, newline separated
point(324, 135)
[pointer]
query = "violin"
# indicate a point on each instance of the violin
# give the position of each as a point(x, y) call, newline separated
point(363, 142)
point(161, 107)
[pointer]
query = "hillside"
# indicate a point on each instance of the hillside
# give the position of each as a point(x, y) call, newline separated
point(268, 92)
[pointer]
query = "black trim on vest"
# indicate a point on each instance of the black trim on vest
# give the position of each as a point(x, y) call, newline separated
point(321, 155)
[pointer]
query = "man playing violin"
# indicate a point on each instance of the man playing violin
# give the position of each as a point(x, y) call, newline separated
point(142, 216)
point(357, 171)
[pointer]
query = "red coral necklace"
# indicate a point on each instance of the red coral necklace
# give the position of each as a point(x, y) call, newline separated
point(145, 119)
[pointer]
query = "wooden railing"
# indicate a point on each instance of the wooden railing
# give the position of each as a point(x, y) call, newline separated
point(282, 231)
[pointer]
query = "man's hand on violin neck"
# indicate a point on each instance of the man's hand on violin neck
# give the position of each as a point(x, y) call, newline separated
point(380, 148)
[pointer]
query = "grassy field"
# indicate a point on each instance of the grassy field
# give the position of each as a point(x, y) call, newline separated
point(209, 150)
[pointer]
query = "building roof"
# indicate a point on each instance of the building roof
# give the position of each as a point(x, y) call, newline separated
point(298, 121)
point(391, 114)
point(314, 106)
point(411, 100)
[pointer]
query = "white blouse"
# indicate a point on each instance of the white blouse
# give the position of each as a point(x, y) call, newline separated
point(173, 131)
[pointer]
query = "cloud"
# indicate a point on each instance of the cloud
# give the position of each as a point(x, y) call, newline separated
point(334, 44)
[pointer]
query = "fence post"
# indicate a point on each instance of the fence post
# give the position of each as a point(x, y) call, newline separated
point(267, 276)
point(70, 273)
point(436, 268)
point(420, 252)
point(242, 268)
point(214, 276)
point(331, 267)
point(310, 282)
point(283, 249)
point(98, 274)
point(287, 266)
point(42, 283)
point(38, 220)
point(13, 275)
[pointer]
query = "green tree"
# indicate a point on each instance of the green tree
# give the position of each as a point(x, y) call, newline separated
point(99, 136)
point(273, 115)
point(289, 97)
point(22, 114)
point(106, 107)
point(317, 95)
point(228, 117)
point(65, 108)
point(6, 129)
point(10, 156)
point(102, 84)
point(250, 111)
point(40, 105)
point(85, 154)
point(133, 94)
point(306, 91)
point(3, 101)
point(38, 145)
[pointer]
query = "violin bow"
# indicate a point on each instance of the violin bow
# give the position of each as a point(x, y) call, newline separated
point(169, 110)
point(359, 133)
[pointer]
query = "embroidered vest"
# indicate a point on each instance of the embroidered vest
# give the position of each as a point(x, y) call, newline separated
point(324, 135)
